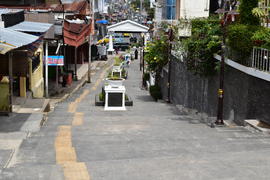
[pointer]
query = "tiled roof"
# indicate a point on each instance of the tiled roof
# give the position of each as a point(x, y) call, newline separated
point(76, 34)
point(77, 6)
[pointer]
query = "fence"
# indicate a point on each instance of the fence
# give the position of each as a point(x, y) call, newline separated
point(261, 59)
point(264, 5)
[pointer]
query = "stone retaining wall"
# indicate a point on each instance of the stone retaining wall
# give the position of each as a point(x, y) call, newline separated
point(246, 97)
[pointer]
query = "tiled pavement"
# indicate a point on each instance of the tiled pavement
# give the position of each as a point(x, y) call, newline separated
point(148, 141)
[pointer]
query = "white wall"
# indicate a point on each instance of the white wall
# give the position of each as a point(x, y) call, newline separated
point(194, 8)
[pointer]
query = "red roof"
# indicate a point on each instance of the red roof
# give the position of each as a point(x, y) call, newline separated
point(81, 7)
point(76, 34)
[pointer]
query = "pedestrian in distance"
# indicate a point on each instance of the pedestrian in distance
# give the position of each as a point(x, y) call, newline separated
point(136, 53)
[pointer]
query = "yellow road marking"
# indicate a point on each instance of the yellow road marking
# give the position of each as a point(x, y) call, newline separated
point(65, 152)
point(72, 107)
point(77, 119)
point(65, 155)
point(75, 171)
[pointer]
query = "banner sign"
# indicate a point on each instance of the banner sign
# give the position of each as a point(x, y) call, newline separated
point(55, 60)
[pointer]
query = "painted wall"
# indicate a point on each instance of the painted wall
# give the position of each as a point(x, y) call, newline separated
point(193, 8)
point(184, 9)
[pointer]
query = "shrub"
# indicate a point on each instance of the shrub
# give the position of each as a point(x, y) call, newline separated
point(246, 15)
point(203, 43)
point(102, 96)
point(261, 38)
point(117, 61)
point(239, 39)
point(146, 77)
point(156, 52)
point(155, 92)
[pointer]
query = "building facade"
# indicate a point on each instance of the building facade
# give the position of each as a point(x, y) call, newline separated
point(181, 9)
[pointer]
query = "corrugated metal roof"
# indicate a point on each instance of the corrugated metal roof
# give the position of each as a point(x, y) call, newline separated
point(6, 11)
point(27, 26)
point(10, 39)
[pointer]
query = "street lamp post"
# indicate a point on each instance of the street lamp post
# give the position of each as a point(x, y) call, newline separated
point(227, 8)
point(91, 4)
point(10, 73)
point(170, 35)
point(170, 39)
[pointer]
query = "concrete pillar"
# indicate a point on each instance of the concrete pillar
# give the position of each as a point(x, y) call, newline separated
point(22, 86)
point(111, 49)
point(10, 74)
point(46, 71)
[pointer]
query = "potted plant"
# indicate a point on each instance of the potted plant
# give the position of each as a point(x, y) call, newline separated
point(155, 92)
point(115, 81)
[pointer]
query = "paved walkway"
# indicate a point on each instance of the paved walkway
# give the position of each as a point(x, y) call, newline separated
point(27, 117)
point(148, 141)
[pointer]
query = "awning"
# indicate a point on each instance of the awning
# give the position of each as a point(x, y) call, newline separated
point(11, 39)
point(128, 26)
point(102, 21)
point(28, 26)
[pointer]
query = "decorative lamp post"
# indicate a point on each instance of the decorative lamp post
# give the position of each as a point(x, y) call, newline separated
point(92, 21)
point(171, 37)
point(227, 8)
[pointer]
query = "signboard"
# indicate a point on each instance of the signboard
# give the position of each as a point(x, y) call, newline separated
point(55, 60)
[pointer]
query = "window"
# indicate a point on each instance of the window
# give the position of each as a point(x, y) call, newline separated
point(170, 5)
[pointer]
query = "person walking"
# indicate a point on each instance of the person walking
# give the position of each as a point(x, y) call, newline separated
point(136, 53)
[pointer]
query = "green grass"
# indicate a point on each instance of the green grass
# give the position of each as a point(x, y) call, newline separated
point(117, 61)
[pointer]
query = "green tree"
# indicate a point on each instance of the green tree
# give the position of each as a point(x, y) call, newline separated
point(135, 4)
point(156, 54)
point(246, 15)
point(201, 45)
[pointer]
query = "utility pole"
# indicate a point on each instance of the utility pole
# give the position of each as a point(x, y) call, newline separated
point(170, 35)
point(170, 39)
point(92, 20)
point(141, 6)
point(10, 72)
point(46, 70)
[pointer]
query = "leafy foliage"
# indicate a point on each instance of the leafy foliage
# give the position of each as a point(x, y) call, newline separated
point(239, 39)
point(117, 61)
point(246, 15)
point(146, 77)
point(157, 52)
point(261, 38)
point(155, 92)
point(258, 12)
point(203, 43)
